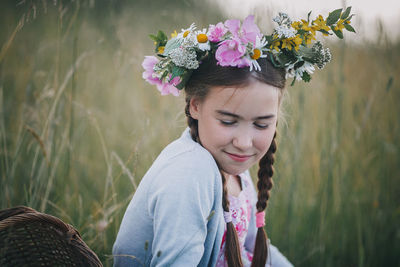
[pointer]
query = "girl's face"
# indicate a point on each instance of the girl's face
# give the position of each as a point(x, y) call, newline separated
point(237, 125)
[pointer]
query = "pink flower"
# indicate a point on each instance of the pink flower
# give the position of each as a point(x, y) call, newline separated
point(164, 87)
point(248, 31)
point(234, 26)
point(231, 52)
point(169, 87)
point(215, 32)
point(148, 64)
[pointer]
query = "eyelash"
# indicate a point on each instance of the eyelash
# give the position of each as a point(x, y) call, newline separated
point(230, 123)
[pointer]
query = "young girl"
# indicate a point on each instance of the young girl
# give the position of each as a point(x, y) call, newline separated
point(197, 205)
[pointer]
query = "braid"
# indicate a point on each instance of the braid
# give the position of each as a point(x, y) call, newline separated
point(232, 250)
point(264, 185)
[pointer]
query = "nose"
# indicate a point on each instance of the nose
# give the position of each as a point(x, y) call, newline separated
point(243, 139)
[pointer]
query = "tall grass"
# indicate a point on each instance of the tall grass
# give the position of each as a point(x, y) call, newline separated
point(79, 128)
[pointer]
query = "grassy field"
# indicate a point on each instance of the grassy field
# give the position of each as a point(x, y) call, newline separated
point(79, 128)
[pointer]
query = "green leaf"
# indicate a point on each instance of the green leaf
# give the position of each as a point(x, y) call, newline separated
point(306, 53)
point(323, 31)
point(337, 33)
point(176, 72)
point(299, 64)
point(349, 27)
point(180, 85)
point(306, 77)
point(164, 75)
point(294, 80)
point(160, 39)
point(333, 17)
point(162, 36)
point(172, 44)
point(302, 32)
point(274, 62)
point(346, 13)
point(308, 16)
point(349, 18)
point(269, 38)
point(285, 58)
point(153, 37)
point(184, 78)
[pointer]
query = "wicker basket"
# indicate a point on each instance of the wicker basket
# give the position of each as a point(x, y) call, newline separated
point(31, 238)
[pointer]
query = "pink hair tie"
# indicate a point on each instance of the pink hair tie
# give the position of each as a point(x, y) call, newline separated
point(227, 216)
point(260, 219)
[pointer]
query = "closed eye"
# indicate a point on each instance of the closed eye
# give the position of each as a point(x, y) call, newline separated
point(261, 126)
point(224, 122)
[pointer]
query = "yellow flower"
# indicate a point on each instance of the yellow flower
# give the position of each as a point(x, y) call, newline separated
point(287, 43)
point(202, 38)
point(275, 45)
point(296, 25)
point(315, 28)
point(339, 26)
point(321, 23)
point(290, 43)
point(174, 34)
point(305, 25)
point(186, 33)
point(308, 38)
point(161, 49)
point(297, 41)
point(256, 54)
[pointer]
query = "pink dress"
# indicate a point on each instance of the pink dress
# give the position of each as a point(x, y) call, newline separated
point(240, 208)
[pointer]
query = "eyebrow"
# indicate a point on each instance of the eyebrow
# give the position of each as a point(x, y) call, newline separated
point(222, 112)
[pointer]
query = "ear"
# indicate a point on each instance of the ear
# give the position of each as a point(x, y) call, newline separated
point(194, 108)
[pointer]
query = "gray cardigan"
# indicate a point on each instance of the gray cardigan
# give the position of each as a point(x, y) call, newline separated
point(175, 216)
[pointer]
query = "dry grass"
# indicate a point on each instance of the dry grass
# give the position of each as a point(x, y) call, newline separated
point(79, 128)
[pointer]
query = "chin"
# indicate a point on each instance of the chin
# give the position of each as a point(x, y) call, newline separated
point(234, 171)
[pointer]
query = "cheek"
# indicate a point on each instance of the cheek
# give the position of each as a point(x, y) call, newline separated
point(264, 139)
point(213, 133)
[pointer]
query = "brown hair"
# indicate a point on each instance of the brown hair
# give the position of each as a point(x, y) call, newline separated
point(209, 75)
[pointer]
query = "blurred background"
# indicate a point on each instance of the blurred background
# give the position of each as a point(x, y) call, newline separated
point(79, 127)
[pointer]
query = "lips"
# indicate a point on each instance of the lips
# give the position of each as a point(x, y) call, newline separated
point(239, 158)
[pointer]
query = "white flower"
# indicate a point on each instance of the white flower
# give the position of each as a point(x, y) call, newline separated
point(201, 40)
point(261, 43)
point(282, 19)
point(298, 73)
point(308, 67)
point(259, 48)
point(186, 32)
point(184, 57)
point(285, 31)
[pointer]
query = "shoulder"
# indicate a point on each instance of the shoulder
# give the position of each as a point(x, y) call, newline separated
point(185, 176)
point(186, 164)
point(186, 154)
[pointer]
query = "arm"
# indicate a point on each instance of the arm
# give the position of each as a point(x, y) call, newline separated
point(180, 201)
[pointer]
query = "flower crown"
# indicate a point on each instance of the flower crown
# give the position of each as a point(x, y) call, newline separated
point(240, 45)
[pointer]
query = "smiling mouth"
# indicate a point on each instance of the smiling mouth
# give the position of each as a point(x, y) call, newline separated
point(239, 158)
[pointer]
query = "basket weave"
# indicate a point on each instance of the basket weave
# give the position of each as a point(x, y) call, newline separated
point(31, 238)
